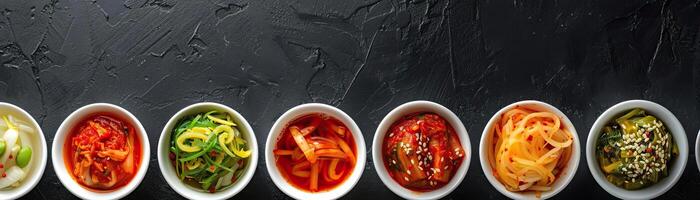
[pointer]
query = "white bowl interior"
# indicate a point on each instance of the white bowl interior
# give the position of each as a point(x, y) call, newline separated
point(168, 170)
point(72, 121)
point(39, 151)
point(300, 111)
point(398, 113)
point(671, 122)
point(564, 178)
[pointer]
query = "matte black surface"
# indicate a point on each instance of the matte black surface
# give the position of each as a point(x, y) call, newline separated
point(262, 57)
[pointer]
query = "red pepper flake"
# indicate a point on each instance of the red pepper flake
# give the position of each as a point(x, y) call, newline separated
point(649, 150)
point(1, 166)
point(233, 179)
point(4, 174)
point(510, 158)
point(529, 138)
point(213, 153)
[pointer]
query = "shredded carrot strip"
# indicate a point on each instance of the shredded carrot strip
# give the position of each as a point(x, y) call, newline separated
point(527, 151)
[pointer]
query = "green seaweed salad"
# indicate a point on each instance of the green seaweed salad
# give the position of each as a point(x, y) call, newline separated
point(635, 150)
point(208, 151)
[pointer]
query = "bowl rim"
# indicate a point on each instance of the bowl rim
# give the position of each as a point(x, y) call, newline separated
point(29, 185)
point(166, 168)
point(412, 107)
point(302, 110)
point(672, 123)
point(571, 167)
point(697, 150)
point(59, 164)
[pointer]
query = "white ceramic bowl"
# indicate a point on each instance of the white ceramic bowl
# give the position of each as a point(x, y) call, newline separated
point(168, 170)
point(38, 151)
point(673, 125)
point(302, 110)
point(564, 178)
point(398, 113)
point(697, 150)
point(71, 122)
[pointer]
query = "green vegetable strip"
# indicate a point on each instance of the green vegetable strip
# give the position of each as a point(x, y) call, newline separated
point(209, 160)
point(210, 144)
point(207, 172)
point(194, 121)
point(197, 170)
point(206, 183)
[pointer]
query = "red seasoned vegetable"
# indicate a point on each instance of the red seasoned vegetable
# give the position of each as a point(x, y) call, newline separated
point(421, 151)
point(315, 153)
point(103, 152)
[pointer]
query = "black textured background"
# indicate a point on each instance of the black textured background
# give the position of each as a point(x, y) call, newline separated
point(262, 57)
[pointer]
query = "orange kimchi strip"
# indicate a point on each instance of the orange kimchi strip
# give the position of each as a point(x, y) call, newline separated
point(281, 152)
point(330, 153)
point(297, 154)
point(313, 183)
point(311, 128)
point(323, 143)
point(299, 169)
point(303, 145)
point(337, 129)
point(332, 172)
point(346, 148)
